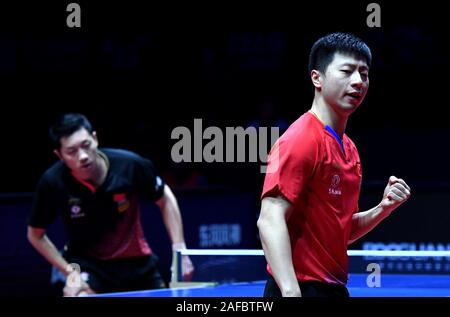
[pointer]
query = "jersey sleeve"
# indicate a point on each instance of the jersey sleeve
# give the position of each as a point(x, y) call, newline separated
point(149, 183)
point(43, 209)
point(291, 164)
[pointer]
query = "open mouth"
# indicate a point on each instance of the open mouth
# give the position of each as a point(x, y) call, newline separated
point(354, 95)
point(87, 165)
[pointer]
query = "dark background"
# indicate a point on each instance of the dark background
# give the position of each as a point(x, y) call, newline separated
point(139, 71)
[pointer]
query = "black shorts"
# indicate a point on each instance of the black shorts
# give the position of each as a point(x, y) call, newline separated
point(308, 289)
point(120, 275)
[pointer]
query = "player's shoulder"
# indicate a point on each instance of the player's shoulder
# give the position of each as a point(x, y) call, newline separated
point(306, 130)
point(54, 175)
point(121, 154)
point(54, 171)
point(121, 158)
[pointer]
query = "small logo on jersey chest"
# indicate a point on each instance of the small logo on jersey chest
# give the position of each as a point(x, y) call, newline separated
point(335, 181)
point(122, 202)
point(75, 208)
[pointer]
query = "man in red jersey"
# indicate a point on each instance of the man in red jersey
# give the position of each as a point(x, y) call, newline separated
point(309, 212)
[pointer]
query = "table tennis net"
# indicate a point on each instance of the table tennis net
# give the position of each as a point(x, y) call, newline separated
point(237, 265)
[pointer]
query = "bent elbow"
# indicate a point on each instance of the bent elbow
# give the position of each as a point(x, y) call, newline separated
point(262, 224)
point(34, 234)
point(30, 235)
point(259, 224)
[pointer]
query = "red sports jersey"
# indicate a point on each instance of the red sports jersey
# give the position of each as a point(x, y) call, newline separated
point(322, 182)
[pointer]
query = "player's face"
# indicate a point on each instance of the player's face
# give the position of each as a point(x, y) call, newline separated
point(345, 83)
point(79, 152)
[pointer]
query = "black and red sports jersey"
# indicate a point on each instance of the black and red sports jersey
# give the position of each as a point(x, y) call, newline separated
point(102, 223)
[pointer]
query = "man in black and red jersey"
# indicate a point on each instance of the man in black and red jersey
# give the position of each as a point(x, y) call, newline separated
point(97, 194)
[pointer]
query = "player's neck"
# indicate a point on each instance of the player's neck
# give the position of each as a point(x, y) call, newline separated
point(329, 117)
point(98, 176)
point(102, 171)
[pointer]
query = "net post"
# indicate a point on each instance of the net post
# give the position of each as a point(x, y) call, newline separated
point(174, 269)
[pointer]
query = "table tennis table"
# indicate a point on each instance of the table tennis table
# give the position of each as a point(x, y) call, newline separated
point(391, 285)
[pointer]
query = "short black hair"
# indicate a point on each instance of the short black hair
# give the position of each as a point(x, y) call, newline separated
point(323, 50)
point(66, 125)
